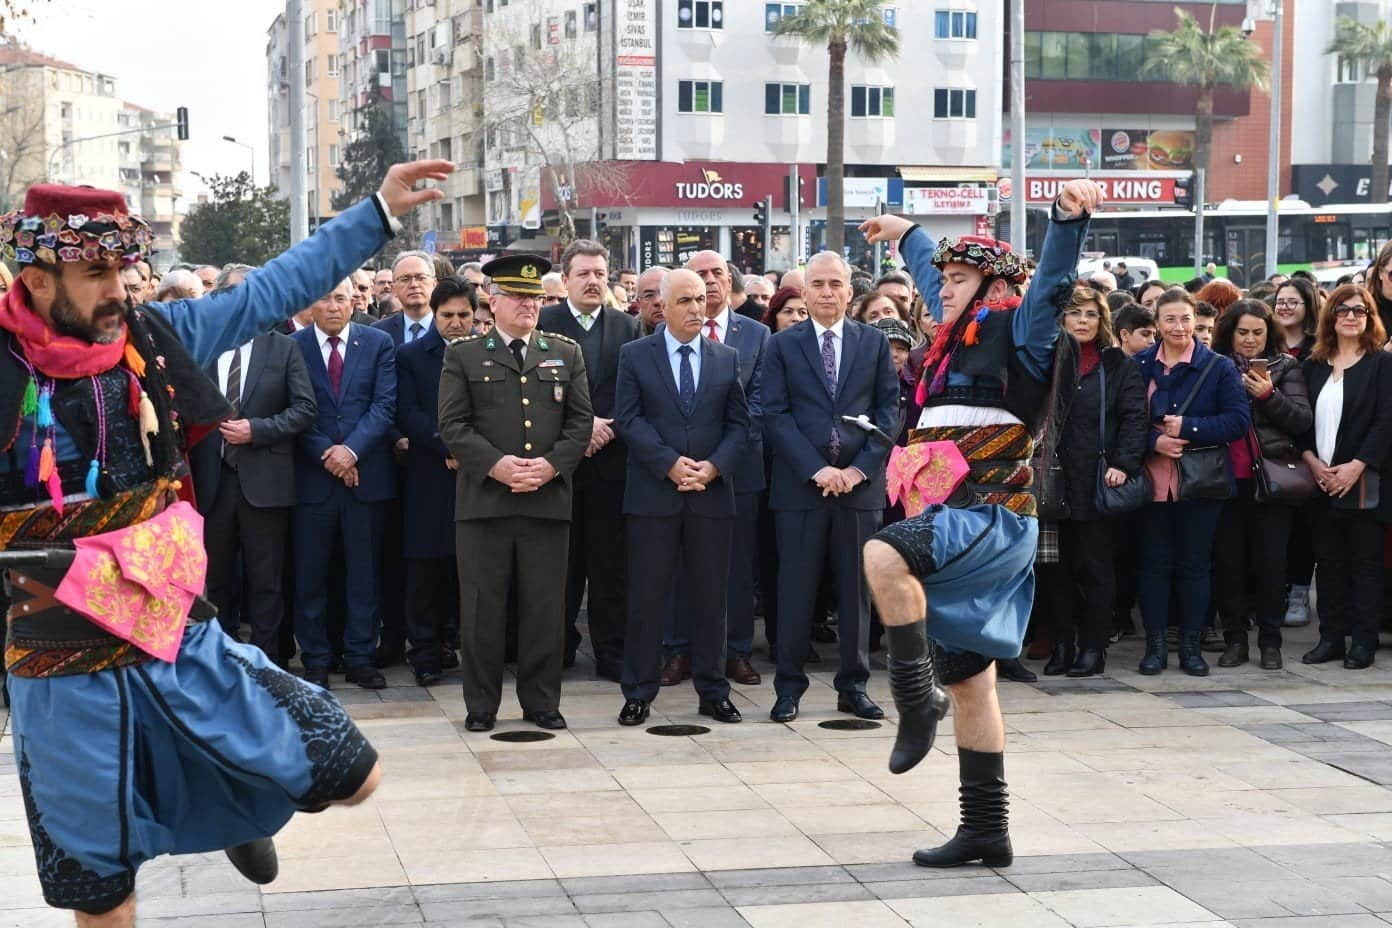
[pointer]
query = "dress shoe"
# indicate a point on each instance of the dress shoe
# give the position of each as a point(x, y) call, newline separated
point(1359, 658)
point(428, 677)
point(1090, 662)
point(388, 655)
point(479, 721)
point(677, 669)
point(1327, 650)
point(549, 719)
point(722, 710)
point(739, 670)
point(1060, 659)
point(1271, 658)
point(634, 712)
point(449, 660)
point(366, 676)
point(1012, 669)
point(608, 669)
point(859, 705)
point(1157, 655)
point(1191, 659)
point(1211, 641)
point(824, 633)
point(319, 678)
point(785, 709)
point(1234, 655)
point(255, 860)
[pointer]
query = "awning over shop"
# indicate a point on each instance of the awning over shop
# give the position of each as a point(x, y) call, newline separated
point(948, 174)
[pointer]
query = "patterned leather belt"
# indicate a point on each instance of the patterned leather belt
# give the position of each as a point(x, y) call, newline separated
point(999, 458)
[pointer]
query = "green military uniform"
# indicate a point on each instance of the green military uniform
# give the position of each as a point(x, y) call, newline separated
point(490, 406)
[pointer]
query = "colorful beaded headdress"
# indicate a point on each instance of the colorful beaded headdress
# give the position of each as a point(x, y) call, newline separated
point(62, 224)
point(993, 257)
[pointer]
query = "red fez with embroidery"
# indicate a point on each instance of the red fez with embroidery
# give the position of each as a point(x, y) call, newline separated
point(62, 223)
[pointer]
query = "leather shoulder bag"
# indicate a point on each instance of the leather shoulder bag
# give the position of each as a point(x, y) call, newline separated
point(1205, 473)
point(1137, 490)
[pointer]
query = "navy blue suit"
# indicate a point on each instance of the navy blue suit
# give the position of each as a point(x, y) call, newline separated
point(667, 526)
point(359, 415)
point(800, 412)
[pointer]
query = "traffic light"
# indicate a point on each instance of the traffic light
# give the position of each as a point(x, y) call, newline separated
point(181, 121)
point(760, 212)
point(1184, 193)
point(788, 193)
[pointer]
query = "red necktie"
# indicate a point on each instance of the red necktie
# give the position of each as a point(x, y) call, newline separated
point(335, 364)
point(711, 332)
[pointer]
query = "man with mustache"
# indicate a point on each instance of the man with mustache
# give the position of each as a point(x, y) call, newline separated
point(104, 397)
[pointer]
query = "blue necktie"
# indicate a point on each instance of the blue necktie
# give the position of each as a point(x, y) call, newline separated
point(416, 330)
point(686, 389)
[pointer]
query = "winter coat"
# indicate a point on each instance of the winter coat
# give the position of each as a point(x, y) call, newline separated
point(1126, 429)
point(1281, 419)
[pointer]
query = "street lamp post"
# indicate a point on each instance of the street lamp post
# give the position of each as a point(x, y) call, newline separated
point(250, 150)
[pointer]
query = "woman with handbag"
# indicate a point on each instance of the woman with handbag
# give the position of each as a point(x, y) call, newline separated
point(1100, 450)
point(1272, 480)
point(1351, 389)
point(1196, 406)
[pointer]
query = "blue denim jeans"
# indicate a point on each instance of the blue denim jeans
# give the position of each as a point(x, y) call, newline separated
point(1176, 555)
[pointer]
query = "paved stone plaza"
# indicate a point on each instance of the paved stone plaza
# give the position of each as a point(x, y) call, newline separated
point(1249, 798)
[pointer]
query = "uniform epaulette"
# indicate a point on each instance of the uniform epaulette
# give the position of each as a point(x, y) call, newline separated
point(559, 337)
point(465, 338)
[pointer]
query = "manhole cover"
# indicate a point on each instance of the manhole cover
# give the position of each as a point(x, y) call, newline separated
point(522, 736)
point(849, 725)
point(678, 731)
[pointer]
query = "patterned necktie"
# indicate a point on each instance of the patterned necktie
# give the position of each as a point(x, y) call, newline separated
point(829, 369)
point(335, 364)
point(711, 333)
point(687, 388)
point(234, 399)
point(416, 330)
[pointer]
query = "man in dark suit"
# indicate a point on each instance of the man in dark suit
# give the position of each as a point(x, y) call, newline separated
point(515, 414)
point(413, 280)
point(245, 480)
point(432, 580)
point(828, 485)
point(749, 338)
point(679, 405)
point(346, 479)
point(596, 533)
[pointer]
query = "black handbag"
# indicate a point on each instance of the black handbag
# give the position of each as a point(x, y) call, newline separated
point(1205, 472)
point(1287, 481)
point(1136, 491)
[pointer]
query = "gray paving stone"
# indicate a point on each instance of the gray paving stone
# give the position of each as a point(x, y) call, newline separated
point(1238, 863)
point(1083, 687)
point(1313, 921)
point(1372, 893)
point(1065, 863)
point(787, 895)
point(1346, 711)
point(501, 908)
point(1324, 750)
point(951, 886)
point(706, 918)
point(239, 920)
point(1294, 733)
point(1376, 768)
point(338, 899)
point(358, 917)
point(644, 883)
point(1219, 699)
point(197, 906)
point(512, 889)
point(660, 901)
point(405, 694)
point(627, 920)
point(1233, 898)
point(908, 871)
point(1331, 861)
point(785, 876)
point(1085, 879)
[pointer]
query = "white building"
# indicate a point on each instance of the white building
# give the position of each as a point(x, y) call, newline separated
point(323, 66)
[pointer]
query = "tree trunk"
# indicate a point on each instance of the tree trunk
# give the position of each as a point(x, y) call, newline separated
point(1203, 126)
point(1382, 115)
point(836, 148)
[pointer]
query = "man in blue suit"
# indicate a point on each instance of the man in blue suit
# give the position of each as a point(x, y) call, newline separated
point(828, 484)
point(345, 477)
point(432, 578)
point(679, 405)
point(749, 338)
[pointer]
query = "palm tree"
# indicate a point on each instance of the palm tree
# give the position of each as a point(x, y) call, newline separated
point(840, 24)
point(1371, 48)
point(1206, 60)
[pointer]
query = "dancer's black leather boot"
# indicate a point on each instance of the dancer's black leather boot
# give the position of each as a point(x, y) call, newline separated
point(984, 833)
point(256, 860)
point(920, 701)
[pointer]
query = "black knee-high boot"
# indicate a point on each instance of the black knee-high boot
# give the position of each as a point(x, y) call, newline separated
point(984, 833)
point(920, 701)
point(256, 860)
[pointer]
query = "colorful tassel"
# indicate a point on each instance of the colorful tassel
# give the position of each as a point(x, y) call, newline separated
point(43, 412)
point(149, 426)
point(30, 404)
point(132, 397)
point(90, 484)
point(46, 463)
point(31, 469)
point(973, 334)
point(55, 493)
point(134, 361)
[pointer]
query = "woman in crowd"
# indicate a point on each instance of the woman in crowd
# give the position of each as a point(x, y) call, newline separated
point(1297, 307)
point(1079, 589)
point(874, 306)
point(1149, 292)
point(1297, 304)
point(1220, 293)
point(1196, 401)
point(1253, 533)
point(1350, 382)
point(1379, 282)
point(786, 307)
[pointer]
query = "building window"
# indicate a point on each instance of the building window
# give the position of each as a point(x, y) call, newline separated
point(536, 35)
point(951, 103)
point(570, 24)
point(700, 97)
point(773, 12)
point(700, 14)
point(872, 102)
point(1349, 71)
point(331, 21)
point(891, 17)
point(954, 24)
point(787, 99)
point(333, 156)
point(591, 17)
point(333, 111)
point(333, 66)
point(488, 69)
point(309, 27)
point(309, 72)
point(1095, 56)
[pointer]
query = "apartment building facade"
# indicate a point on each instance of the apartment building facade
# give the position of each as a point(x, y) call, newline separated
point(323, 104)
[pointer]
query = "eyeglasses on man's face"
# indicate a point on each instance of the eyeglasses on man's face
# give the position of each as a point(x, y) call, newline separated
point(409, 279)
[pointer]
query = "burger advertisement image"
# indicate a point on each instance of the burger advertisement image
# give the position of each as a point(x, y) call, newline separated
point(1073, 149)
point(1170, 150)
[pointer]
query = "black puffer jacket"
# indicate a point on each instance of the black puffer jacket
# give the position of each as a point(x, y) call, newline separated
point(1285, 415)
point(1126, 430)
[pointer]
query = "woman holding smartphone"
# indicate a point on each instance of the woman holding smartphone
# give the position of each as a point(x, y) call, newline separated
point(1252, 533)
point(1349, 382)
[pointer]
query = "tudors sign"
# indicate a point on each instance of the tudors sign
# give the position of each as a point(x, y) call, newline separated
point(1142, 190)
point(686, 185)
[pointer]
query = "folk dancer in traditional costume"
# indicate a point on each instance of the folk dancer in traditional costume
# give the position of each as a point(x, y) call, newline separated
point(141, 729)
point(961, 573)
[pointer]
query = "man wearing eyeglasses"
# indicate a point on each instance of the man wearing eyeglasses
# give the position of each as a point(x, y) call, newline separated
point(413, 280)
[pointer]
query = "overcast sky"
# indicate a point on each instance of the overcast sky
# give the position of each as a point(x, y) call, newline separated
point(208, 55)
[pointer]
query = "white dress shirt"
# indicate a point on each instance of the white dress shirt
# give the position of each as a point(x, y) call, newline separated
point(224, 364)
point(425, 322)
point(594, 316)
point(509, 339)
point(722, 326)
point(674, 356)
point(325, 348)
point(837, 341)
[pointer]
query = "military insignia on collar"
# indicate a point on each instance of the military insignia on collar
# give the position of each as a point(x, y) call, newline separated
point(489, 345)
point(541, 344)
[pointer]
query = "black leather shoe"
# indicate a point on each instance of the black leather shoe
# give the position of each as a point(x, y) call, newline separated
point(479, 721)
point(319, 678)
point(859, 705)
point(1327, 650)
point(255, 860)
point(428, 677)
point(606, 669)
point(549, 719)
point(1191, 659)
point(367, 676)
point(389, 656)
point(1271, 658)
point(634, 712)
point(784, 710)
point(722, 710)
point(448, 659)
point(1157, 655)
point(1060, 659)
point(1234, 655)
point(1090, 662)
point(1359, 658)
point(1012, 669)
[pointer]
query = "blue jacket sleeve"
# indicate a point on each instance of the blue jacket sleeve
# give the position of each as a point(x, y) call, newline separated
point(1234, 414)
point(780, 427)
point(735, 435)
point(1035, 327)
point(644, 443)
point(917, 249)
point(414, 421)
point(220, 321)
point(374, 426)
point(873, 456)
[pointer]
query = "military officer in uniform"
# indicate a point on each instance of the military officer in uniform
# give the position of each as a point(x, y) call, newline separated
point(515, 413)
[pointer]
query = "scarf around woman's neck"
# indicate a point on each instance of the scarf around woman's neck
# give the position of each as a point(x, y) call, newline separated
point(964, 332)
point(62, 357)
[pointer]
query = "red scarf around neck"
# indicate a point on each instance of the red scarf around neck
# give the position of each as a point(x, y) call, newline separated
point(62, 357)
